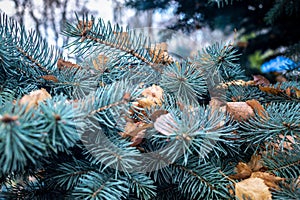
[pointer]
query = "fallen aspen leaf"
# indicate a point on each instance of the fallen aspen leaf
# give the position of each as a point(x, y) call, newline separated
point(136, 131)
point(242, 171)
point(61, 64)
point(50, 78)
point(152, 96)
point(235, 83)
point(269, 179)
point(260, 80)
point(286, 142)
point(252, 188)
point(156, 114)
point(257, 107)
point(159, 53)
point(271, 90)
point(216, 104)
point(34, 97)
point(99, 63)
point(136, 140)
point(166, 124)
point(297, 92)
point(256, 163)
point(154, 93)
point(239, 110)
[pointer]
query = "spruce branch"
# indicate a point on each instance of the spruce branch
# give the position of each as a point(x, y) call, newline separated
point(21, 136)
point(97, 185)
point(275, 131)
point(91, 35)
point(200, 180)
point(31, 47)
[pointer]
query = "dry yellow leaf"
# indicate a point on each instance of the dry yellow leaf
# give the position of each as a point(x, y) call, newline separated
point(34, 98)
point(63, 64)
point(270, 90)
point(258, 108)
point(269, 179)
point(252, 188)
point(135, 130)
point(239, 110)
point(242, 171)
point(136, 140)
point(146, 103)
point(160, 54)
point(50, 78)
point(152, 96)
point(166, 124)
point(260, 80)
point(256, 163)
point(297, 92)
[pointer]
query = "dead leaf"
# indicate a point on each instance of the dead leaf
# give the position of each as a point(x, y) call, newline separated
point(156, 114)
point(130, 127)
point(252, 188)
point(235, 82)
point(257, 107)
point(280, 78)
point(154, 93)
point(136, 140)
point(256, 163)
point(34, 98)
point(216, 104)
point(159, 53)
point(287, 141)
point(8, 118)
point(271, 90)
point(242, 44)
point(297, 92)
point(50, 78)
point(269, 179)
point(61, 64)
point(242, 171)
point(145, 103)
point(166, 124)
point(288, 91)
point(135, 130)
point(261, 80)
point(152, 96)
point(239, 110)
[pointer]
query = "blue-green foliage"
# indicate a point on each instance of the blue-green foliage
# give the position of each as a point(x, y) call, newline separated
point(184, 81)
point(280, 121)
point(21, 136)
point(77, 145)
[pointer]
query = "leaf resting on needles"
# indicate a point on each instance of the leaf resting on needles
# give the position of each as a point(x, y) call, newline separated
point(34, 98)
point(269, 179)
point(260, 80)
point(257, 107)
point(244, 110)
point(244, 170)
point(165, 124)
point(252, 188)
point(239, 110)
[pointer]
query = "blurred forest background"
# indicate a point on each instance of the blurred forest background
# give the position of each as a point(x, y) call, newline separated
point(261, 29)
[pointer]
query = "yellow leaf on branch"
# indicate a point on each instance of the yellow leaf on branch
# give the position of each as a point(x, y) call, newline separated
point(34, 97)
point(252, 188)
